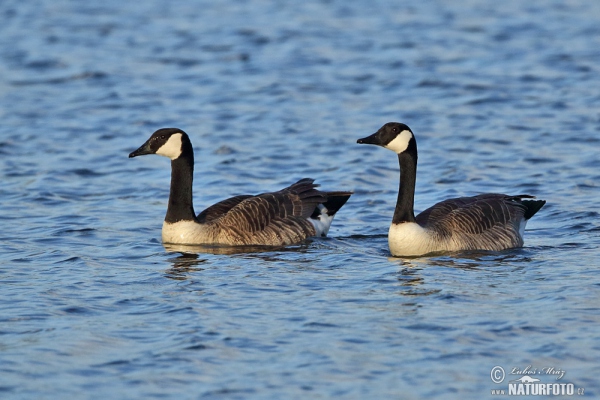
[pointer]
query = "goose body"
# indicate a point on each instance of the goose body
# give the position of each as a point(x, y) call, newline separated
point(489, 221)
point(281, 218)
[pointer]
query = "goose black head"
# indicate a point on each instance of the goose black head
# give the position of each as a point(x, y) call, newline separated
point(168, 142)
point(394, 136)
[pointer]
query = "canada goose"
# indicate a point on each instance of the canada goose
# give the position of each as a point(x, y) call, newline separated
point(273, 219)
point(485, 222)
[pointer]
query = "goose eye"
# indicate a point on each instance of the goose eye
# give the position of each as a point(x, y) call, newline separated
point(163, 137)
point(395, 130)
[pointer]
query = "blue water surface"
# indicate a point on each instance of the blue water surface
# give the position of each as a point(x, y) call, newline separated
point(503, 97)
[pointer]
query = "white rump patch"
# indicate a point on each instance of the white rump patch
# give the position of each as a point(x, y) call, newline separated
point(522, 225)
point(172, 148)
point(400, 142)
point(322, 222)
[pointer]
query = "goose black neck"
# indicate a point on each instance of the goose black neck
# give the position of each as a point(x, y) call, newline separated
point(406, 193)
point(181, 207)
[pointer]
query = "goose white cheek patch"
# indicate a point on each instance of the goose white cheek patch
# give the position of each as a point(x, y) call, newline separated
point(400, 142)
point(172, 148)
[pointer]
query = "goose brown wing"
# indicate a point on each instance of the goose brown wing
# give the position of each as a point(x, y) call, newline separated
point(484, 221)
point(217, 210)
point(276, 218)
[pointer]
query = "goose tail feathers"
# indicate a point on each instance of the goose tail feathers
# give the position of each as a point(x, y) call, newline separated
point(322, 216)
point(532, 207)
point(335, 201)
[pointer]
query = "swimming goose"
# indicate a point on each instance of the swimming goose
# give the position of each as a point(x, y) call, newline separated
point(274, 219)
point(485, 222)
